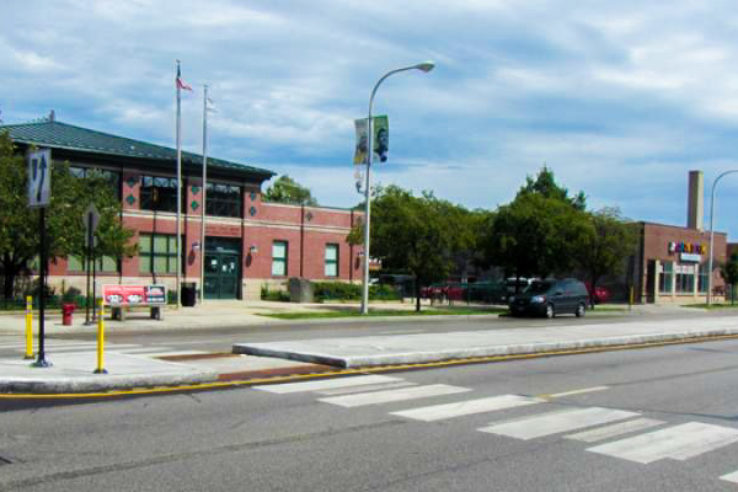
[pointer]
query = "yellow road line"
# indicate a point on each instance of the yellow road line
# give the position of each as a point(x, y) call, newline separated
point(364, 370)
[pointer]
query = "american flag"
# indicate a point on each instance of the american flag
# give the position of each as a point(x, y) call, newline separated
point(181, 84)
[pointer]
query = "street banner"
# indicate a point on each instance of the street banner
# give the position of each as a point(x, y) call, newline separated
point(39, 178)
point(360, 153)
point(380, 141)
point(381, 138)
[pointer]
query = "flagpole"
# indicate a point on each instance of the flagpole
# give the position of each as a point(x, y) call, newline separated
point(204, 190)
point(179, 189)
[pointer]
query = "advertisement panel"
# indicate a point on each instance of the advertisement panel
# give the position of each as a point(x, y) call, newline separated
point(134, 295)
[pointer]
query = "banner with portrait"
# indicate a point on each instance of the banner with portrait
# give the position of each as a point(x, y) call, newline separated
point(380, 140)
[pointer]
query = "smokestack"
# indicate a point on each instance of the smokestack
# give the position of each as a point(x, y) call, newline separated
point(696, 204)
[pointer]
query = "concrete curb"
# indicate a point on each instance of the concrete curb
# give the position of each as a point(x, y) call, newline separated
point(359, 361)
point(100, 383)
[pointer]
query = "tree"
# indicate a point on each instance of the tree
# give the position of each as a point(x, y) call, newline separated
point(19, 235)
point(415, 234)
point(545, 185)
point(607, 241)
point(729, 272)
point(533, 236)
point(287, 190)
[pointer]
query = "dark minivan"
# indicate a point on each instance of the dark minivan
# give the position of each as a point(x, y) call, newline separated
point(551, 297)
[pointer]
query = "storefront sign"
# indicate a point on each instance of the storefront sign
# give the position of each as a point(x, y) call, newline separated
point(134, 295)
point(690, 257)
point(691, 248)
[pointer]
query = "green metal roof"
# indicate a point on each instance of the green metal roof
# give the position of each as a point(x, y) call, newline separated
point(58, 135)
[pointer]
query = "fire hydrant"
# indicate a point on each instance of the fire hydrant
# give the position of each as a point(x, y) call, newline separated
point(67, 310)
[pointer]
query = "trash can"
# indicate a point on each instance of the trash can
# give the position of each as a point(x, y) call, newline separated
point(67, 310)
point(189, 294)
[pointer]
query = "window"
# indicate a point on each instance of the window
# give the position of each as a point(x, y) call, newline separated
point(666, 277)
point(158, 193)
point(111, 177)
point(703, 279)
point(279, 258)
point(331, 260)
point(224, 200)
point(684, 279)
point(158, 253)
point(106, 264)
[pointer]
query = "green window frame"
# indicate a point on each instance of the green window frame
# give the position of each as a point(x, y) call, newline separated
point(702, 279)
point(158, 254)
point(224, 200)
point(666, 277)
point(279, 258)
point(159, 193)
point(106, 264)
point(331, 260)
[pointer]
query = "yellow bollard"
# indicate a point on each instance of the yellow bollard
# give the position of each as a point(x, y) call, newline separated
point(100, 338)
point(631, 299)
point(29, 328)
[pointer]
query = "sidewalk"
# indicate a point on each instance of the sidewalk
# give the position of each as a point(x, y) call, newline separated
point(72, 373)
point(433, 347)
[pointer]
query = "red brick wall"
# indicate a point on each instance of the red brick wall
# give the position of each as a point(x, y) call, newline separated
point(656, 246)
point(306, 229)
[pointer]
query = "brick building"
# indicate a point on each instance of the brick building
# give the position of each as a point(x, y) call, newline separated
point(249, 242)
point(671, 262)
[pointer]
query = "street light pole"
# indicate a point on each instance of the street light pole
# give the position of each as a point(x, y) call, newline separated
point(712, 233)
point(424, 67)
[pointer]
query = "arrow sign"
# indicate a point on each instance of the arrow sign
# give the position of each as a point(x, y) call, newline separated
point(91, 219)
point(39, 178)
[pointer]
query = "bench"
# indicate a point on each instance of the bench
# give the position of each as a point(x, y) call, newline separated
point(122, 298)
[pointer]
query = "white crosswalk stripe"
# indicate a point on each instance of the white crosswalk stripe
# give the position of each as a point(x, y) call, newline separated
point(557, 422)
point(679, 442)
point(325, 384)
point(170, 353)
point(468, 407)
point(730, 477)
point(388, 396)
point(144, 350)
point(614, 430)
point(368, 387)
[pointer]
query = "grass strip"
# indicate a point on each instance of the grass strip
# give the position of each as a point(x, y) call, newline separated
point(384, 312)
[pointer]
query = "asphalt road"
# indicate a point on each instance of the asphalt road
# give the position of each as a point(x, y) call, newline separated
point(653, 419)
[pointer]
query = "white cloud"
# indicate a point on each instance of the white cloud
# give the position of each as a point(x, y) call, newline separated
point(600, 91)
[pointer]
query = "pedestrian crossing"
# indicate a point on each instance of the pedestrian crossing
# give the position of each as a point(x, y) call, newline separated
point(56, 346)
point(616, 433)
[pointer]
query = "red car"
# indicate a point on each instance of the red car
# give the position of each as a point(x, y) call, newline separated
point(601, 294)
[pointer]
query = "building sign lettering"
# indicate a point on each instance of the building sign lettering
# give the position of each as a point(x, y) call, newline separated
point(690, 248)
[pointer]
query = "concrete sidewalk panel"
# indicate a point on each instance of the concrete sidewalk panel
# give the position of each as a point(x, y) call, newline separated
point(434, 347)
point(73, 373)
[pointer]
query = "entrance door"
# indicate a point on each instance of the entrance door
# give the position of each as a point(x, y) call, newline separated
point(222, 268)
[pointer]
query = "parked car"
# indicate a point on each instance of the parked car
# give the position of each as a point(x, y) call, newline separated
point(551, 297)
point(601, 294)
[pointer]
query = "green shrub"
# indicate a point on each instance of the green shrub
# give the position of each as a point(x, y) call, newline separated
point(341, 291)
point(274, 295)
point(385, 293)
point(336, 291)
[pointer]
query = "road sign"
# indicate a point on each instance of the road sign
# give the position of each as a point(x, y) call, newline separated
point(39, 178)
point(91, 219)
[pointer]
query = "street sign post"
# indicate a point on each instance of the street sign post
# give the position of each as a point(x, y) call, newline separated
point(39, 196)
point(39, 178)
point(90, 219)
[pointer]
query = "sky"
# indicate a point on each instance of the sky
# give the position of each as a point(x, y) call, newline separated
point(619, 99)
